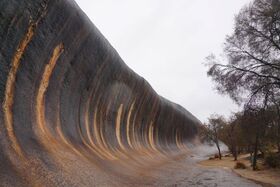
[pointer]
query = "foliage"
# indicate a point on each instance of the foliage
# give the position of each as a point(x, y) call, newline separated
point(272, 159)
point(252, 71)
point(239, 165)
point(249, 72)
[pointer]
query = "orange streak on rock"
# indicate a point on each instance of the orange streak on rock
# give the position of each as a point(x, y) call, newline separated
point(151, 137)
point(65, 141)
point(100, 140)
point(62, 137)
point(128, 125)
point(10, 87)
point(40, 105)
point(91, 145)
point(118, 127)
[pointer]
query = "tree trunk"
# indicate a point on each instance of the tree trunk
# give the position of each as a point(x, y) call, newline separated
point(278, 127)
point(233, 142)
point(278, 133)
point(235, 153)
point(256, 153)
point(278, 137)
point(219, 150)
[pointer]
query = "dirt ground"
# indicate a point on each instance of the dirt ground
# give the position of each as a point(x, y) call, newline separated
point(265, 176)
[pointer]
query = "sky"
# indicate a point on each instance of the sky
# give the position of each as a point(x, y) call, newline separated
point(166, 42)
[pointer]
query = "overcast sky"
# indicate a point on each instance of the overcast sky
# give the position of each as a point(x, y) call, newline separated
point(166, 42)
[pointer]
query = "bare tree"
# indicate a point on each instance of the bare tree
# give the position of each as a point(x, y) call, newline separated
point(214, 125)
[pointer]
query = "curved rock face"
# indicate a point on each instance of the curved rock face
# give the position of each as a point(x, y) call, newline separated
point(72, 112)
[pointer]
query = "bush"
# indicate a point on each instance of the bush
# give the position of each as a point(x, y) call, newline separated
point(216, 156)
point(239, 165)
point(273, 160)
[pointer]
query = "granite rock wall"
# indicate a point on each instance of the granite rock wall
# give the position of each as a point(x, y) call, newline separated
point(64, 87)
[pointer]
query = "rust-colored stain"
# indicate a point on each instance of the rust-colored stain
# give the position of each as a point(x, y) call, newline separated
point(128, 125)
point(44, 83)
point(118, 127)
point(10, 87)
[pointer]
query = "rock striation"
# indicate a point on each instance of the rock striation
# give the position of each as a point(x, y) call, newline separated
point(72, 113)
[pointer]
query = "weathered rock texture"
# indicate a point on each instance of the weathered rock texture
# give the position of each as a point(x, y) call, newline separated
point(72, 113)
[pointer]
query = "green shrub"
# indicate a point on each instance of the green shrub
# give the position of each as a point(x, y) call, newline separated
point(273, 160)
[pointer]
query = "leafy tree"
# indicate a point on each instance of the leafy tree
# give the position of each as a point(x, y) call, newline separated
point(254, 119)
point(251, 73)
point(260, 138)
